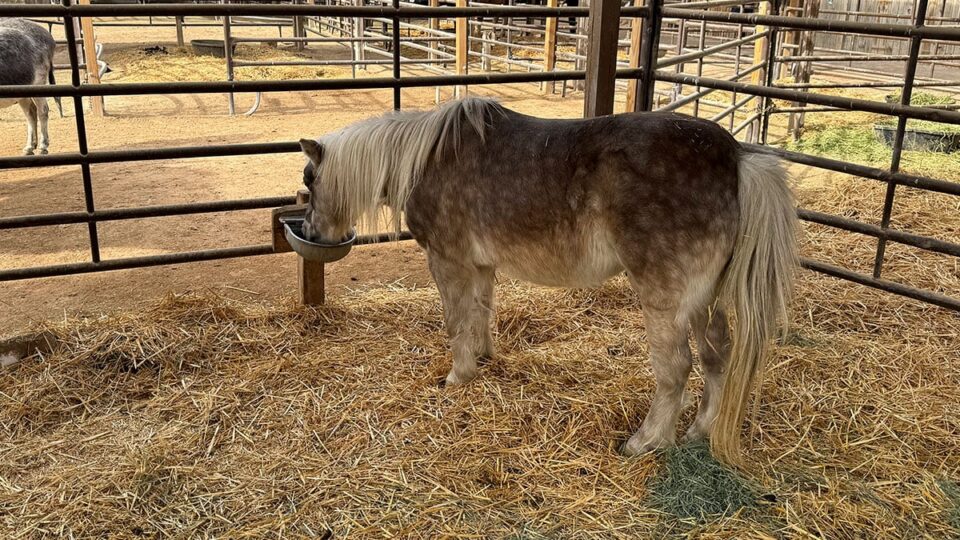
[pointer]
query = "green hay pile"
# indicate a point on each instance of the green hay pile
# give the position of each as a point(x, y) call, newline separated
point(693, 485)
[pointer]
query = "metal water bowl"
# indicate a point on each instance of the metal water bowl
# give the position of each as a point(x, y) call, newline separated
point(314, 251)
point(211, 47)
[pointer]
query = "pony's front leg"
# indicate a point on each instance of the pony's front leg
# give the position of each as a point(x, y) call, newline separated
point(30, 113)
point(457, 284)
point(672, 362)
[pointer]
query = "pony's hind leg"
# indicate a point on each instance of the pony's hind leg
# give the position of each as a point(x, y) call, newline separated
point(43, 114)
point(713, 344)
point(487, 308)
point(672, 361)
point(459, 286)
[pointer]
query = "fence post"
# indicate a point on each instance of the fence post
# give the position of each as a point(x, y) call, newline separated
point(310, 279)
point(649, 52)
point(90, 59)
point(759, 49)
point(462, 49)
point(179, 20)
point(636, 39)
point(228, 56)
point(600, 84)
point(550, 47)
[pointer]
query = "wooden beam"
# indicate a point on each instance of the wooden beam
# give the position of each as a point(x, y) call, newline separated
point(550, 47)
point(434, 22)
point(310, 279)
point(601, 58)
point(90, 59)
point(462, 48)
point(636, 35)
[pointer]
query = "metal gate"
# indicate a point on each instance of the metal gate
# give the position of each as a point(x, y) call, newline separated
point(600, 81)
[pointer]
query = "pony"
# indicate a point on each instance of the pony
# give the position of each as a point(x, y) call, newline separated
point(700, 226)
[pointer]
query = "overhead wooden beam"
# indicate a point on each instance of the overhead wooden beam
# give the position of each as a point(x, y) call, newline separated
point(600, 84)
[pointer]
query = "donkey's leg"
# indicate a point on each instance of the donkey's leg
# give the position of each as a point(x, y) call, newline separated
point(713, 342)
point(457, 284)
point(487, 308)
point(672, 361)
point(30, 112)
point(43, 112)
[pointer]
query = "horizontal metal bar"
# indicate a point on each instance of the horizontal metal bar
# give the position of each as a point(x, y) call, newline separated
point(951, 33)
point(683, 58)
point(301, 85)
point(882, 284)
point(915, 240)
point(148, 154)
point(698, 95)
point(853, 104)
point(869, 84)
point(169, 258)
point(140, 212)
point(300, 63)
point(222, 10)
point(134, 262)
point(872, 173)
point(865, 58)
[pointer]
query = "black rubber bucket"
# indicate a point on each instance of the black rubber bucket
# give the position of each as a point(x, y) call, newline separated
point(211, 47)
point(923, 141)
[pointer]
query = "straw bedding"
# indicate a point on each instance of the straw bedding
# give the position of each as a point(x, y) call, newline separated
point(207, 417)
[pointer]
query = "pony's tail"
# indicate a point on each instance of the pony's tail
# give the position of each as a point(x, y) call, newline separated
point(52, 80)
point(756, 285)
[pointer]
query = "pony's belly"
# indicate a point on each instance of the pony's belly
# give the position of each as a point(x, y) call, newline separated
point(561, 264)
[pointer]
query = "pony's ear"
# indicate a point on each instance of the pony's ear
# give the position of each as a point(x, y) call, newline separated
point(312, 149)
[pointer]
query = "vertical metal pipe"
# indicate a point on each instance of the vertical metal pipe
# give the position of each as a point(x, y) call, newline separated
point(701, 44)
point(770, 69)
point(71, 36)
point(909, 74)
point(649, 49)
point(396, 56)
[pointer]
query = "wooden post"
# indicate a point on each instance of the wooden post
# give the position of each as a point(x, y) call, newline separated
point(179, 31)
point(90, 59)
point(601, 58)
point(636, 37)
point(804, 70)
point(309, 273)
point(550, 47)
point(759, 56)
point(434, 22)
point(462, 49)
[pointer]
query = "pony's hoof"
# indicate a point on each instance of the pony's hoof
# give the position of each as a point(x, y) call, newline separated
point(637, 446)
point(694, 434)
point(43, 151)
point(454, 378)
point(28, 151)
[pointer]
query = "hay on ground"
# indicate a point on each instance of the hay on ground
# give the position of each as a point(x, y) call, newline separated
point(203, 417)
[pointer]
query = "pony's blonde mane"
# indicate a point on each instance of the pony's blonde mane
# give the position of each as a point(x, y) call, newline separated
point(376, 163)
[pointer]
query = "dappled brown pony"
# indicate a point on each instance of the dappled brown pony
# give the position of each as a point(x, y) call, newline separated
point(698, 224)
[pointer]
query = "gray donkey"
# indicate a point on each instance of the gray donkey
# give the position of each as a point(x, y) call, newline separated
point(26, 57)
point(698, 224)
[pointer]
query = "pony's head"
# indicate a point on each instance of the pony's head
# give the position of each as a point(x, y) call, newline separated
point(326, 220)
